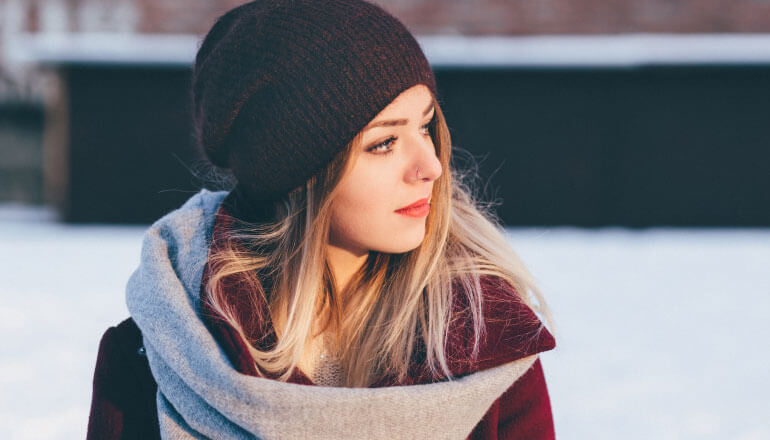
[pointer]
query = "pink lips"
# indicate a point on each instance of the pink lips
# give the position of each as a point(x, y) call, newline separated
point(419, 208)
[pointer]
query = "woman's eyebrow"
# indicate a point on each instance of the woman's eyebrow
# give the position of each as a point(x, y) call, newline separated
point(393, 122)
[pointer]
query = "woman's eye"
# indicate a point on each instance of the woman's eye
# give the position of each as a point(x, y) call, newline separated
point(385, 146)
point(429, 125)
point(378, 148)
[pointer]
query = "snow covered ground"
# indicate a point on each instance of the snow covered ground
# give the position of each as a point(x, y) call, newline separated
point(660, 332)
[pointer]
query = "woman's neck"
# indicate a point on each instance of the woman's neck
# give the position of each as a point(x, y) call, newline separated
point(344, 264)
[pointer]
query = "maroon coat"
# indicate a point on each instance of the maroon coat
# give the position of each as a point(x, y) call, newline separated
point(123, 402)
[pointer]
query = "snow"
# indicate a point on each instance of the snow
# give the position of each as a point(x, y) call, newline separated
point(659, 331)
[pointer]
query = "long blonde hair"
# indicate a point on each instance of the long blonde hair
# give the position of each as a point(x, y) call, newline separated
point(400, 300)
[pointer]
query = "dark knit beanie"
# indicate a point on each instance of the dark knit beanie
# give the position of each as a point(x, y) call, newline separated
point(281, 86)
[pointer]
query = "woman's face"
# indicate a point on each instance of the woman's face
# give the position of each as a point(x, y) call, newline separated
point(383, 179)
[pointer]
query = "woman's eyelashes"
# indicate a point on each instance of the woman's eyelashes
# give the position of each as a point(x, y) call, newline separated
point(379, 147)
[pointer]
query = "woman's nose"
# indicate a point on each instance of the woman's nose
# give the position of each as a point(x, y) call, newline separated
point(426, 165)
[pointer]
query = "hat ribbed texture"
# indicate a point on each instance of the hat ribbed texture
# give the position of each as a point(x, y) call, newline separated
point(281, 86)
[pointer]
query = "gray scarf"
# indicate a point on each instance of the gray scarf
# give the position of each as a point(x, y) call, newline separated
point(201, 395)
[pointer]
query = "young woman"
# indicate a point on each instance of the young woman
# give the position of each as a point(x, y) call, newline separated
point(349, 256)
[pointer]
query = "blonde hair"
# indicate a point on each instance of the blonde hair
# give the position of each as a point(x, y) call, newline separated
point(399, 298)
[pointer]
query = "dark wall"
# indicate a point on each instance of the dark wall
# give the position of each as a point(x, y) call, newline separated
point(131, 144)
point(675, 146)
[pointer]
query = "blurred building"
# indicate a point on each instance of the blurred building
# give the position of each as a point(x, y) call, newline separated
point(570, 78)
point(20, 19)
point(422, 16)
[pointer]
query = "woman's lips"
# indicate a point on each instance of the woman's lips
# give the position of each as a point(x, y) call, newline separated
point(419, 208)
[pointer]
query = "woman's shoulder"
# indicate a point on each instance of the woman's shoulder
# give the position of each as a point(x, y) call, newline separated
point(123, 398)
point(125, 331)
point(512, 329)
point(122, 341)
point(121, 348)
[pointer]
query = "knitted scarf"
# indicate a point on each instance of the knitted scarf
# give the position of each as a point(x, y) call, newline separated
point(201, 395)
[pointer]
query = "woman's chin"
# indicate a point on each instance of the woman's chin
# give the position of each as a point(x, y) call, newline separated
point(403, 247)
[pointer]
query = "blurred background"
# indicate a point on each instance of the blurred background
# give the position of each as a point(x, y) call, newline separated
point(624, 143)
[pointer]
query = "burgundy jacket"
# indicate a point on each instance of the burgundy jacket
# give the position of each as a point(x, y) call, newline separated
point(123, 401)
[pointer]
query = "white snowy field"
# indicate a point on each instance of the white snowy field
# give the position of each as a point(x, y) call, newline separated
point(660, 333)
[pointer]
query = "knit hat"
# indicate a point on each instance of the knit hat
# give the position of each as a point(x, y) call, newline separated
point(281, 86)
